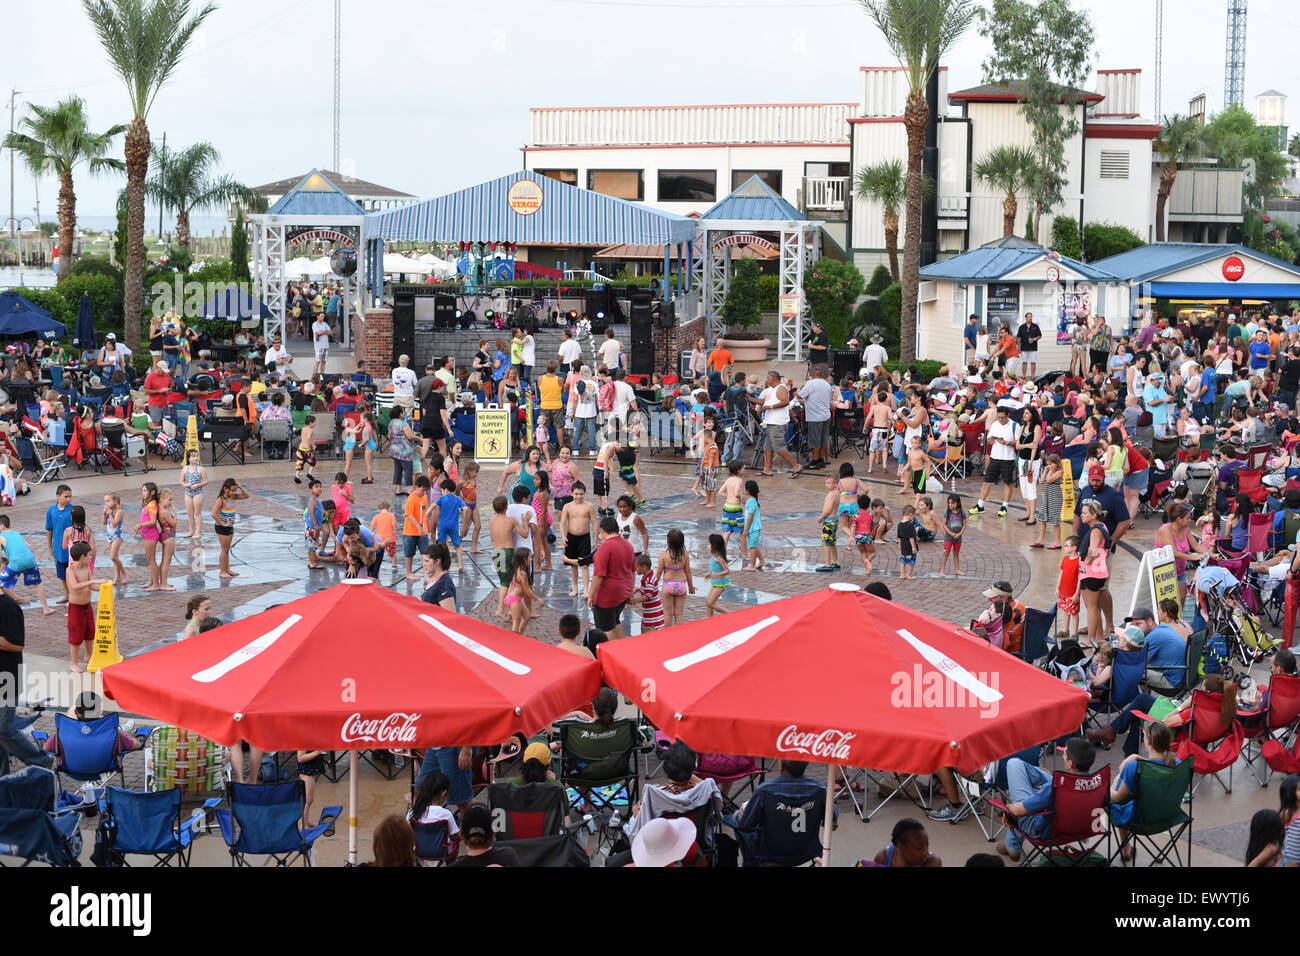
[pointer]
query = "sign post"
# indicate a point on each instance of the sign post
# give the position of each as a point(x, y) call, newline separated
point(1158, 573)
point(492, 435)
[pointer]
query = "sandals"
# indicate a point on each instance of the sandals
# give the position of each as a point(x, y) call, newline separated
point(1036, 544)
point(766, 474)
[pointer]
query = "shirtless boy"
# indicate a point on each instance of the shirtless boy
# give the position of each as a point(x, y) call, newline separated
point(576, 521)
point(916, 470)
point(877, 423)
point(733, 504)
point(81, 616)
point(830, 527)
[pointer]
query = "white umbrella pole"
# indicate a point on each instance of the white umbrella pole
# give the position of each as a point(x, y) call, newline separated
point(354, 767)
point(830, 813)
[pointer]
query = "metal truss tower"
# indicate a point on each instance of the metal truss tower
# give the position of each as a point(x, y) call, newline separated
point(1160, 56)
point(338, 70)
point(1234, 75)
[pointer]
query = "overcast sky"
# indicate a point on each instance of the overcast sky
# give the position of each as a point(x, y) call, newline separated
point(436, 94)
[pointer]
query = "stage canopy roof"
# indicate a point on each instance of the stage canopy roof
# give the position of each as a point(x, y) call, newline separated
point(533, 210)
point(315, 196)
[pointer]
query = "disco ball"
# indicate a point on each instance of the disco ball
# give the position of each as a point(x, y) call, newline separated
point(343, 262)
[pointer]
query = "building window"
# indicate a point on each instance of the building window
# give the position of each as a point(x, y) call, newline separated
point(619, 183)
point(771, 177)
point(688, 185)
point(1114, 164)
point(823, 170)
point(568, 176)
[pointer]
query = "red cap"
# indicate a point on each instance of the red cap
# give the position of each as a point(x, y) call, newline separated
point(1097, 471)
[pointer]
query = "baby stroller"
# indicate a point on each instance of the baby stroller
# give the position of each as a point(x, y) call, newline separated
point(1200, 480)
point(1221, 600)
point(1160, 488)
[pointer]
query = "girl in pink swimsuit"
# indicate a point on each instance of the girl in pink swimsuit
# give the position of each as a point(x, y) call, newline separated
point(674, 575)
point(150, 533)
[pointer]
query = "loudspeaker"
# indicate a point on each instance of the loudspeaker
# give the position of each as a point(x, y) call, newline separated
point(642, 360)
point(640, 315)
point(667, 314)
point(599, 309)
point(403, 323)
point(444, 311)
point(845, 363)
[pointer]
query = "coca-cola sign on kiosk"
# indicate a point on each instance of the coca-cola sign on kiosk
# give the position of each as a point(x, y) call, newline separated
point(393, 729)
point(1233, 268)
point(822, 746)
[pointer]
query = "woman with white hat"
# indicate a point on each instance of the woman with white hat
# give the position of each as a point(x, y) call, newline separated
point(666, 842)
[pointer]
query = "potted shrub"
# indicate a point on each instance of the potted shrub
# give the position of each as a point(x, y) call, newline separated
point(742, 310)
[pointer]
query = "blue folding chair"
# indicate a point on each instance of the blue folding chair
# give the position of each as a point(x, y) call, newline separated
point(1037, 634)
point(30, 829)
point(88, 750)
point(1126, 672)
point(149, 824)
point(181, 412)
point(433, 843)
point(263, 820)
point(777, 841)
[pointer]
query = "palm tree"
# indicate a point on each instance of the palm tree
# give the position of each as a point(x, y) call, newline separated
point(54, 140)
point(919, 33)
point(1182, 138)
point(183, 183)
point(1007, 169)
point(886, 184)
point(144, 41)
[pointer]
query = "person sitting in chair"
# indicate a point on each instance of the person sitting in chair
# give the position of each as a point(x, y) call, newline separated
point(1030, 789)
point(86, 708)
point(789, 785)
point(681, 795)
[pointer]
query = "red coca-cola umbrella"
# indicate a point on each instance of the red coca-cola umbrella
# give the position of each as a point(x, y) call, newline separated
point(355, 667)
point(840, 676)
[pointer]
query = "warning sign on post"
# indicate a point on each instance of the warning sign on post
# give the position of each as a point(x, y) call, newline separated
point(1164, 576)
point(492, 435)
point(790, 306)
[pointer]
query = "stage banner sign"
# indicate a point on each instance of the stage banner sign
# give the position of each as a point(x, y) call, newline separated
point(790, 306)
point(492, 435)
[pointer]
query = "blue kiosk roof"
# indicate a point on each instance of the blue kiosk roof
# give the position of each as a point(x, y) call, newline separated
point(997, 260)
point(565, 216)
point(1147, 264)
point(315, 195)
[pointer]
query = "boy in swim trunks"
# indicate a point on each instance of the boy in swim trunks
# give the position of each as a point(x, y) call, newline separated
point(305, 457)
point(928, 526)
point(502, 530)
point(733, 507)
point(576, 521)
point(877, 422)
point(917, 468)
point(830, 528)
point(882, 519)
point(81, 615)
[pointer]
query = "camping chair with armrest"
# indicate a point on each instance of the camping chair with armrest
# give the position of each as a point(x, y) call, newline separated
point(601, 762)
point(1159, 820)
point(972, 435)
point(749, 774)
point(225, 438)
point(1126, 672)
point(1037, 634)
point(1189, 672)
point(31, 828)
point(265, 820)
point(1259, 529)
point(1078, 817)
point(1075, 455)
point(150, 824)
point(1251, 483)
point(38, 459)
point(326, 424)
point(434, 843)
point(776, 840)
point(86, 437)
point(1165, 448)
point(948, 462)
point(527, 811)
point(707, 822)
point(89, 750)
point(276, 430)
point(1255, 456)
point(1277, 724)
point(1212, 744)
point(847, 431)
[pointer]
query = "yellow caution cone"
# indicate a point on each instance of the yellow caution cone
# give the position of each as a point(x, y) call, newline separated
point(105, 652)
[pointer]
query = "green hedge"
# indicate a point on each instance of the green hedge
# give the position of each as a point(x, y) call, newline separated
point(1101, 240)
point(927, 367)
point(769, 286)
point(105, 299)
point(1065, 237)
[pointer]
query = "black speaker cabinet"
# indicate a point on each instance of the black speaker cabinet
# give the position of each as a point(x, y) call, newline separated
point(403, 324)
point(444, 311)
point(642, 360)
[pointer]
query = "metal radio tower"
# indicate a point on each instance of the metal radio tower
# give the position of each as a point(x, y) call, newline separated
point(1160, 55)
point(1234, 75)
point(338, 49)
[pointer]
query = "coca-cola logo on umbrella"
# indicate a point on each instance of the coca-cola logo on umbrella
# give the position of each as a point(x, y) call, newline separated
point(393, 729)
point(1233, 268)
point(824, 745)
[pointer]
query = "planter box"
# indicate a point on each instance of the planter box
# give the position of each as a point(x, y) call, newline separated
point(747, 350)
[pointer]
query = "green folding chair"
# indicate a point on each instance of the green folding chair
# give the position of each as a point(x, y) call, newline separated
point(1159, 820)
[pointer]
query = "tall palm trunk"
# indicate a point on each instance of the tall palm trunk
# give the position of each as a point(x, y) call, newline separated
point(1167, 176)
point(183, 229)
point(1009, 209)
point(915, 115)
point(137, 167)
point(891, 241)
point(67, 222)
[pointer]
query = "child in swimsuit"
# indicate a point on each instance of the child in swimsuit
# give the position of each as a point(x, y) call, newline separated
point(113, 516)
point(304, 458)
point(719, 576)
point(521, 590)
point(468, 486)
point(863, 536)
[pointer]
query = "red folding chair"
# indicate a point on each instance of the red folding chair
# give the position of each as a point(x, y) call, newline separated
point(973, 435)
point(1275, 727)
point(1250, 482)
point(1079, 820)
point(1213, 744)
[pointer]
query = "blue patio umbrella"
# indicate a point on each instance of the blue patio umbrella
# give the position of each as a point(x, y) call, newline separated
point(233, 305)
point(83, 336)
point(18, 318)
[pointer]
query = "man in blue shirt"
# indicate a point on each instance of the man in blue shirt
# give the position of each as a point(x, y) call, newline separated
point(1260, 353)
point(1029, 788)
point(970, 334)
point(1203, 403)
point(735, 401)
point(352, 533)
point(21, 561)
point(778, 805)
point(58, 519)
point(1166, 650)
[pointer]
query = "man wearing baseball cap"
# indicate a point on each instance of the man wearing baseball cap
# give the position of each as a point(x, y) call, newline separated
point(478, 839)
point(157, 385)
point(1117, 520)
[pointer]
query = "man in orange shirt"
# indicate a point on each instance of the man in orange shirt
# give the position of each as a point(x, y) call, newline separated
point(415, 522)
point(720, 360)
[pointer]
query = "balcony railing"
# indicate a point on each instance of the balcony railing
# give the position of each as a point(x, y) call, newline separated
point(825, 193)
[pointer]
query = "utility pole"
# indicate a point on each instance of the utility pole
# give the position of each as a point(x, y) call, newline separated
point(13, 235)
point(338, 59)
point(1160, 55)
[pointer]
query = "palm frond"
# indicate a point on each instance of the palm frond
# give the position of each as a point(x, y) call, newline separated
point(919, 33)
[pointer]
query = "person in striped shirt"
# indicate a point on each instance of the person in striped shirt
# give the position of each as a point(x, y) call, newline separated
point(647, 595)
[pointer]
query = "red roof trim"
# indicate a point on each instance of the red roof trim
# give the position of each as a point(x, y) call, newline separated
point(890, 69)
point(691, 106)
point(1117, 115)
point(1121, 131)
point(876, 119)
point(1009, 97)
point(538, 149)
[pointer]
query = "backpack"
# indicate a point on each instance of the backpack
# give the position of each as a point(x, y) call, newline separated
point(605, 397)
point(1215, 660)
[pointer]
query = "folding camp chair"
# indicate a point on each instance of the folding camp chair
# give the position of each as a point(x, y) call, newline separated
point(1212, 744)
point(324, 433)
point(949, 463)
point(1190, 670)
point(1277, 722)
point(264, 820)
point(527, 811)
point(31, 829)
point(601, 762)
point(41, 461)
point(225, 437)
point(276, 431)
point(749, 775)
point(1037, 634)
point(563, 849)
point(434, 844)
point(89, 750)
point(707, 824)
point(789, 825)
point(1127, 669)
point(847, 432)
point(1254, 457)
point(1075, 831)
point(150, 824)
point(1251, 483)
point(1158, 813)
point(973, 439)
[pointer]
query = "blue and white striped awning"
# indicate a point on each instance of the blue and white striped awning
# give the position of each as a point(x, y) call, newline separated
point(568, 216)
